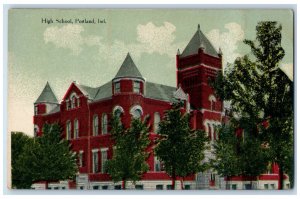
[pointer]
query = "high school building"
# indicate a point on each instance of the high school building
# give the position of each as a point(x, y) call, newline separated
point(84, 112)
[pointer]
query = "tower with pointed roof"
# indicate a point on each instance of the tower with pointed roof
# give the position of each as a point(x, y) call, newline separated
point(196, 65)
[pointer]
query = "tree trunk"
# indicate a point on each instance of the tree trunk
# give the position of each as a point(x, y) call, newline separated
point(181, 182)
point(280, 177)
point(173, 180)
point(124, 184)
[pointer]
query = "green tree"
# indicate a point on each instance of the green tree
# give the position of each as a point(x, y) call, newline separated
point(260, 92)
point(19, 142)
point(48, 157)
point(129, 155)
point(178, 146)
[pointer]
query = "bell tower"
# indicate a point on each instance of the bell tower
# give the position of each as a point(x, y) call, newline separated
point(198, 63)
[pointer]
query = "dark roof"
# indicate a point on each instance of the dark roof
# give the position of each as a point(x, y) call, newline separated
point(104, 91)
point(55, 110)
point(90, 91)
point(128, 69)
point(47, 95)
point(197, 41)
point(159, 91)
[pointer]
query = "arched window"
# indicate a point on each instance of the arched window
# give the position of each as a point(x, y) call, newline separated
point(136, 111)
point(76, 129)
point(156, 122)
point(212, 100)
point(36, 130)
point(118, 110)
point(104, 123)
point(95, 125)
point(68, 130)
point(73, 101)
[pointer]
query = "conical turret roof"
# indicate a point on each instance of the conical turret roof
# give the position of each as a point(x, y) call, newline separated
point(128, 69)
point(199, 40)
point(47, 95)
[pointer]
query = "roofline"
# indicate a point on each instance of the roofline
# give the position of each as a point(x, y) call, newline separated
point(127, 77)
point(47, 102)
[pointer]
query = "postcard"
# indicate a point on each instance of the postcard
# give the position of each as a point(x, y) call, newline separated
point(151, 99)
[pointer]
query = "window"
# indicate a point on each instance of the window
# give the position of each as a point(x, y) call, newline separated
point(78, 102)
point(95, 125)
point(157, 164)
point(96, 187)
point(233, 187)
point(80, 158)
point(104, 123)
point(95, 161)
point(156, 122)
point(118, 110)
point(169, 187)
point(81, 187)
point(136, 86)
point(68, 104)
point(272, 186)
point(117, 87)
point(118, 187)
point(136, 111)
point(36, 110)
point(187, 187)
point(68, 130)
point(103, 160)
point(212, 100)
point(76, 129)
point(139, 187)
point(209, 132)
point(73, 100)
point(36, 130)
point(247, 186)
point(266, 186)
point(159, 187)
point(105, 187)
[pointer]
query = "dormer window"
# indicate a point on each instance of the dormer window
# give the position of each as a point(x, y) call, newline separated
point(117, 87)
point(136, 86)
point(73, 100)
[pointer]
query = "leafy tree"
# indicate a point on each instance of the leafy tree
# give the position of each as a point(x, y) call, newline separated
point(260, 92)
point(48, 158)
point(236, 154)
point(19, 141)
point(129, 157)
point(178, 146)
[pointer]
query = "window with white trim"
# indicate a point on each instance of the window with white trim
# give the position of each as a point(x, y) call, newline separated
point(117, 87)
point(156, 122)
point(118, 110)
point(212, 100)
point(136, 111)
point(158, 166)
point(73, 102)
point(95, 161)
point(103, 160)
point(68, 105)
point(136, 86)
point(36, 130)
point(104, 123)
point(78, 102)
point(68, 130)
point(80, 158)
point(95, 125)
point(76, 128)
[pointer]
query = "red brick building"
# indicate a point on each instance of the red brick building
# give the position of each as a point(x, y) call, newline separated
point(84, 113)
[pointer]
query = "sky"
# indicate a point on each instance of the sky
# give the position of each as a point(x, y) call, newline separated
point(91, 54)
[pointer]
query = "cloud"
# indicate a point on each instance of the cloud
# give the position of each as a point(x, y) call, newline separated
point(69, 36)
point(150, 39)
point(227, 40)
point(157, 38)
